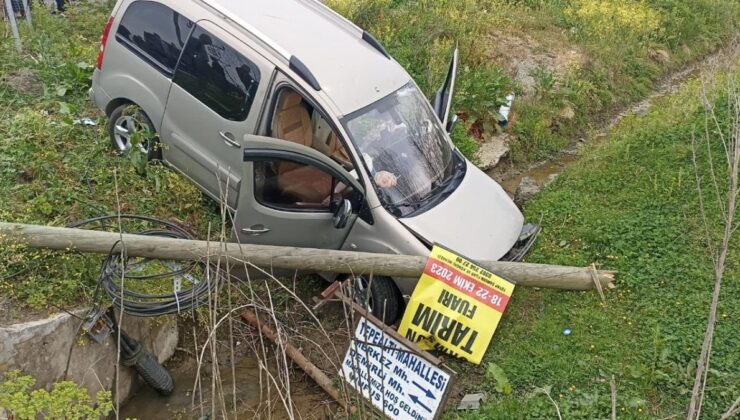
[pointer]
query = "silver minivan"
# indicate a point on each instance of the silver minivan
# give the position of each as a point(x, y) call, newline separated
point(305, 127)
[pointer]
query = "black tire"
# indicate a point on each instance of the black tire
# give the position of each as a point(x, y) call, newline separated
point(154, 374)
point(132, 118)
point(385, 299)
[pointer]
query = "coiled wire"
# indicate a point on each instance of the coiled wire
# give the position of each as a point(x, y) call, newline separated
point(118, 270)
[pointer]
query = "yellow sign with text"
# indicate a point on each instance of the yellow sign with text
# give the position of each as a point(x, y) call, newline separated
point(455, 307)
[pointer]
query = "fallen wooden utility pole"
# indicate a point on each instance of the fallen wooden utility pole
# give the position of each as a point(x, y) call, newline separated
point(301, 259)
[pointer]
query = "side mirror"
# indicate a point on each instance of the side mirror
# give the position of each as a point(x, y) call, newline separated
point(342, 214)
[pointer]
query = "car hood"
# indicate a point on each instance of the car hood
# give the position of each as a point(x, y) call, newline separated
point(478, 220)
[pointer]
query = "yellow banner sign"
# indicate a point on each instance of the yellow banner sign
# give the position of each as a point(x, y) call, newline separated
point(456, 306)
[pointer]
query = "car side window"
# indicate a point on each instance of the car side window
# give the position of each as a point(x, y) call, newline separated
point(295, 186)
point(217, 75)
point(155, 32)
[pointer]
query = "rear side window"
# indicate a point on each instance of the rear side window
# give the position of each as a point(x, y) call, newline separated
point(155, 32)
point(217, 75)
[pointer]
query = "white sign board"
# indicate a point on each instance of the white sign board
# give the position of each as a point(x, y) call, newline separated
point(398, 382)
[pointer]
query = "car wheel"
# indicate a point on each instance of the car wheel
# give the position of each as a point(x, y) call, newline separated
point(129, 125)
point(381, 296)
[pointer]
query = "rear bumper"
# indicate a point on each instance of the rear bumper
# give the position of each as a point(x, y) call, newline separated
point(526, 240)
point(97, 94)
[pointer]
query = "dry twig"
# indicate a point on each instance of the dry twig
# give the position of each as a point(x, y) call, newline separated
point(727, 205)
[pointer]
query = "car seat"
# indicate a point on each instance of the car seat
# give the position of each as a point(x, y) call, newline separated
point(293, 123)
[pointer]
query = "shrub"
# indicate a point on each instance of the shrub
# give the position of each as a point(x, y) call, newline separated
point(66, 400)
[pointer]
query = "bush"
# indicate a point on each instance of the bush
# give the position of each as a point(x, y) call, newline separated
point(65, 401)
point(620, 39)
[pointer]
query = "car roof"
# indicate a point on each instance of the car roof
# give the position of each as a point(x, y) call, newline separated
point(351, 72)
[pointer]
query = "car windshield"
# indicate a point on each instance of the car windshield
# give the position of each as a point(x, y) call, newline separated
point(404, 148)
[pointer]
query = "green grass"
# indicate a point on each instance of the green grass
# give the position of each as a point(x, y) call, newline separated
point(626, 46)
point(630, 205)
point(54, 171)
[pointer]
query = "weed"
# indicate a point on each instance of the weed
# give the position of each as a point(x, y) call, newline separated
point(629, 205)
point(65, 400)
point(544, 81)
point(616, 37)
point(464, 142)
point(56, 170)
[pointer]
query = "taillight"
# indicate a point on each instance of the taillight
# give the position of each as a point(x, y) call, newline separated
point(103, 41)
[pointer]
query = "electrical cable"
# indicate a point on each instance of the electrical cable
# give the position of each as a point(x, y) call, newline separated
point(143, 304)
point(139, 303)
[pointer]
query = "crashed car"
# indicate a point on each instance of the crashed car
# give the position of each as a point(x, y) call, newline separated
point(305, 127)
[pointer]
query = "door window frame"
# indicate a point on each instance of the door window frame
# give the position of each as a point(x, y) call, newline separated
point(268, 119)
point(357, 198)
point(313, 207)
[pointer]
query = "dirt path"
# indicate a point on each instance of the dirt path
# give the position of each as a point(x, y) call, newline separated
point(510, 176)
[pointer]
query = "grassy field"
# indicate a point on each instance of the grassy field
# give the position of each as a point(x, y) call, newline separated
point(54, 169)
point(574, 62)
point(630, 204)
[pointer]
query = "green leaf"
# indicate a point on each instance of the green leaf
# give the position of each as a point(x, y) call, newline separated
point(498, 375)
point(64, 108)
point(61, 90)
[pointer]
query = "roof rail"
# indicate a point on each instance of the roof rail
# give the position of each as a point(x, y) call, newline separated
point(367, 37)
point(348, 25)
point(293, 62)
point(226, 14)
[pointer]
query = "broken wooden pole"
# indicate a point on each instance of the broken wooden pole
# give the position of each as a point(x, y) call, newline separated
point(295, 355)
point(281, 257)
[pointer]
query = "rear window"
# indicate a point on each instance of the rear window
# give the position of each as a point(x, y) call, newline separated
point(217, 75)
point(155, 32)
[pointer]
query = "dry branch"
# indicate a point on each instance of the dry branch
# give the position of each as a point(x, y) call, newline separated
point(296, 356)
point(728, 203)
point(301, 259)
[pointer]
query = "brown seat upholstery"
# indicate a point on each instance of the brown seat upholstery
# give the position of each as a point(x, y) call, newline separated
point(292, 123)
point(306, 185)
point(337, 150)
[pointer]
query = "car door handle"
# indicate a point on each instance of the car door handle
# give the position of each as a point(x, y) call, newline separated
point(229, 139)
point(255, 230)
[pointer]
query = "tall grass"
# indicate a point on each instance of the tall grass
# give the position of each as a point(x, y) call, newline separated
point(628, 45)
point(55, 170)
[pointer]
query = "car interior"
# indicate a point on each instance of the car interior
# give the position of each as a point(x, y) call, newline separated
point(293, 184)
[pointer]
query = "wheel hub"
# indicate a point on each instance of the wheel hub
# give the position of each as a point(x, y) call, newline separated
point(363, 295)
point(123, 131)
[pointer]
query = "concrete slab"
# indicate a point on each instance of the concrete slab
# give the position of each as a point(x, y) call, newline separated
point(41, 348)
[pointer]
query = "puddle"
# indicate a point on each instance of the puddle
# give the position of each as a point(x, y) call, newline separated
point(541, 173)
point(252, 400)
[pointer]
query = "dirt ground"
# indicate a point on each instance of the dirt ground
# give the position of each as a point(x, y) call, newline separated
point(25, 81)
point(521, 54)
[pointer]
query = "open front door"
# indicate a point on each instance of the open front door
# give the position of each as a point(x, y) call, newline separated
point(292, 195)
point(442, 101)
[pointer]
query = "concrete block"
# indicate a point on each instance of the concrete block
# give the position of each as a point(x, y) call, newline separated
point(41, 349)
